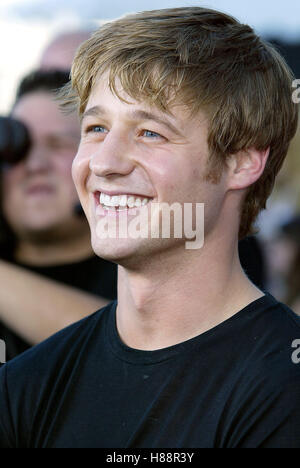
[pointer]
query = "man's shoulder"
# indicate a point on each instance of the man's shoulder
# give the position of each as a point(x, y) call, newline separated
point(278, 325)
point(262, 377)
point(271, 322)
point(274, 346)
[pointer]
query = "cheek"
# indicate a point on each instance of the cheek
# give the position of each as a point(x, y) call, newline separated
point(176, 182)
point(11, 193)
point(80, 171)
point(63, 169)
point(80, 174)
point(63, 164)
point(163, 174)
point(11, 181)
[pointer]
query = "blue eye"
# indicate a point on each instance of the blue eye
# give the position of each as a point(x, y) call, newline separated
point(150, 134)
point(97, 129)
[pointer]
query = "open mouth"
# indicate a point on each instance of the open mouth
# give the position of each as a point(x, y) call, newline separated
point(121, 202)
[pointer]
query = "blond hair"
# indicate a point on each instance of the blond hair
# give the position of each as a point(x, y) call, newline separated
point(210, 62)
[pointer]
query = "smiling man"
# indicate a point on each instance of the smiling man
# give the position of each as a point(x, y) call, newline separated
point(177, 106)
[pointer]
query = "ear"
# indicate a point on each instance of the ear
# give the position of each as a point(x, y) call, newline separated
point(246, 167)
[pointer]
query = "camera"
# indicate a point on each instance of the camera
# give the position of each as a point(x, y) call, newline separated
point(15, 141)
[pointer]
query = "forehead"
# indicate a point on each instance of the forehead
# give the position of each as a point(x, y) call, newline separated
point(181, 125)
point(40, 112)
point(101, 94)
point(125, 105)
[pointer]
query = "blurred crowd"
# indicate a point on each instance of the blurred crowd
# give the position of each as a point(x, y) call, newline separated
point(49, 274)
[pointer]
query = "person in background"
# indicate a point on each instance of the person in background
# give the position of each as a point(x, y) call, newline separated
point(290, 233)
point(282, 253)
point(59, 53)
point(49, 274)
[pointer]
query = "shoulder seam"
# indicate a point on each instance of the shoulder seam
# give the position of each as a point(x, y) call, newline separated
point(290, 314)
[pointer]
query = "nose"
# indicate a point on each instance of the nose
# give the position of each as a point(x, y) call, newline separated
point(112, 157)
point(38, 159)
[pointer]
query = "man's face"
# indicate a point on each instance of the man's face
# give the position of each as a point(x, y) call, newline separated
point(131, 148)
point(38, 193)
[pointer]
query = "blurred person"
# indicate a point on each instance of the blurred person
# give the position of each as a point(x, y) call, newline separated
point(293, 284)
point(291, 233)
point(282, 261)
point(280, 251)
point(46, 234)
point(284, 202)
point(59, 53)
point(177, 106)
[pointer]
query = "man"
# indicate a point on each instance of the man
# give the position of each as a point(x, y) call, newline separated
point(53, 277)
point(177, 106)
point(59, 54)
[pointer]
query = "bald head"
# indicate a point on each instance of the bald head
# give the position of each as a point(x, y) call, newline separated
point(60, 52)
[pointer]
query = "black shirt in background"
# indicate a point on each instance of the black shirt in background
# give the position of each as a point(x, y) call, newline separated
point(235, 385)
point(93, 275)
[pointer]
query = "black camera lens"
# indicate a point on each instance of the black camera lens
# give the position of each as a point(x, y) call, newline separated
point(14, 141)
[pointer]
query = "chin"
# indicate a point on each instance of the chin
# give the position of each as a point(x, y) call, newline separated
point(132, 253)
point(36, 228)
point(40, 221)
point(114, 250)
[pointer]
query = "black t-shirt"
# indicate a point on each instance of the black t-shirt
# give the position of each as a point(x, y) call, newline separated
point(236, 385)
point(253, 261)
point(93, 275)
point(99, 277)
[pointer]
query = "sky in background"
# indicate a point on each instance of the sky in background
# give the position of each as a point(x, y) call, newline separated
point(26, 26)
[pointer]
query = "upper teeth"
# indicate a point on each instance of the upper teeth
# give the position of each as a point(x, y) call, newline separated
point(122, 200)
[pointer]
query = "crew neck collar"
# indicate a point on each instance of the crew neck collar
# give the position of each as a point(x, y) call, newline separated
point(137, 356)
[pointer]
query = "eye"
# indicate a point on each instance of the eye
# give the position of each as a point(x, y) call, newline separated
point(95, 129)
point(150, 134)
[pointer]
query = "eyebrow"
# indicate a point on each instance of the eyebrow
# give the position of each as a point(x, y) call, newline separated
point(97, 111)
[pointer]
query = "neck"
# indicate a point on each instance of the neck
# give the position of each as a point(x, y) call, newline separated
point(185, 295)
point(55, 250)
